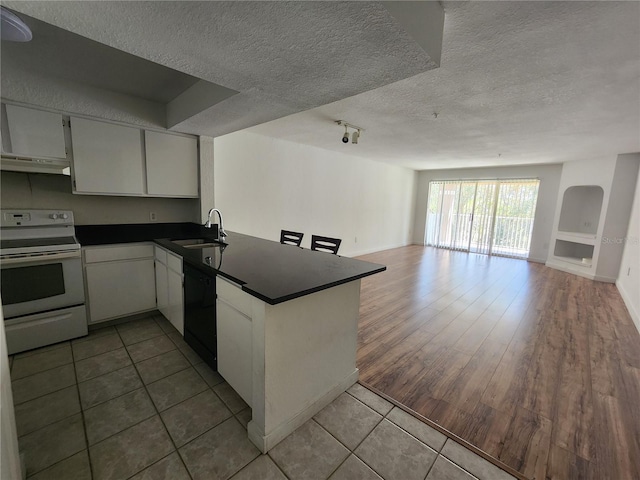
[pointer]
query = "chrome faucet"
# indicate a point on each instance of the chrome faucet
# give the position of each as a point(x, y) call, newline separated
point(221, 232)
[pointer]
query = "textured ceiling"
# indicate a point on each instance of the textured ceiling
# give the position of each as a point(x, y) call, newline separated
point(62, 54)
point(283, 57)
point(519, 82)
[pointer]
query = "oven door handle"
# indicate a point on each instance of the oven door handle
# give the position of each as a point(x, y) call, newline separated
point(40, 258)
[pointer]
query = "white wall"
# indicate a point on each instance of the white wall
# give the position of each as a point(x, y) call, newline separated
point(42, 191)
point(263, 185)
point(549, 176)
point(629, 277)
point(10, 467)
point(207, 197)
point(616, 220)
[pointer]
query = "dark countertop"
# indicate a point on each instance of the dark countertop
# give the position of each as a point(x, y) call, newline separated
point(137, 232)
point(268, 270)
point(271, 271)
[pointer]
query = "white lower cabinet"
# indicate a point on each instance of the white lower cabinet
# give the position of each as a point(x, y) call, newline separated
point(120, 280)
point(169, 287)
point(234, 336)
point(176, 302)
point(162, 288)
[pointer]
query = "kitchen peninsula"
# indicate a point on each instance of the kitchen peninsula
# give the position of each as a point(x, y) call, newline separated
point(287, 326)
point(283, 327)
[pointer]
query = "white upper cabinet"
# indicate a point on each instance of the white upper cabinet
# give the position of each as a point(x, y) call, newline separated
point(34, 133)
point(107, 158)
point(110, 159)
point(172, 165)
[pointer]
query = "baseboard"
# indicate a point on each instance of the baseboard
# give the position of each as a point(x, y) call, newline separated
point(267, 442)
point(602, 278)
point(626, 298)
point(125, 319)
point(569, 269)
point(378, 249)
point(537, 260)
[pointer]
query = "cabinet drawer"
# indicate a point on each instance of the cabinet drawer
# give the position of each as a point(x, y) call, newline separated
point(174, 262)
point(161, 254)
point(234, 296)
point(118, 252)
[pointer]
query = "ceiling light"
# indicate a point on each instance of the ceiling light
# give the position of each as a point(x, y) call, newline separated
point(356, 134)
point(345, 137)
point(12, 28)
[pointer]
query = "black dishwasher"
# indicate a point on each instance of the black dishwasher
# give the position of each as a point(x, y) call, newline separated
point(200, 313)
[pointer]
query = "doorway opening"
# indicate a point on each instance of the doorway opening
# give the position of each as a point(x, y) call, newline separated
point(493, 217)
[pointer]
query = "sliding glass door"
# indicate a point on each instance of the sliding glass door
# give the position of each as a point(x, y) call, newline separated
point(449, 214)
point(483, 217)
point(493, 217)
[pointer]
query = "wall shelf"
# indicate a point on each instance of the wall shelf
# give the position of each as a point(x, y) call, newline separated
point(574, 252)
point(575, 261)
point(586, 238)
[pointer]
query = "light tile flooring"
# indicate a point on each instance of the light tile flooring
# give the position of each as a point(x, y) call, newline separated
point(135, 402)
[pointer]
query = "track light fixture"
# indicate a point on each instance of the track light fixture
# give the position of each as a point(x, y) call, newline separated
point(354, 136)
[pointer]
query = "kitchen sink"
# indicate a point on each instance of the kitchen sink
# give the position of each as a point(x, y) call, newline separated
point(196, 243)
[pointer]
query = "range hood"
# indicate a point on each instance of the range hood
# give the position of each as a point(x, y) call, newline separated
point(15, 163)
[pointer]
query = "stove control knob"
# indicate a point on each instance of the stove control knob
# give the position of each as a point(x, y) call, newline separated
point(65, 216)
point(53, 216)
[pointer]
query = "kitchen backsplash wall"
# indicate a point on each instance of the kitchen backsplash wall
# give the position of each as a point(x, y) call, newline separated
point(41, 191)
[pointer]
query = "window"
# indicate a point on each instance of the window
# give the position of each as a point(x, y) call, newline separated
point(493, 217)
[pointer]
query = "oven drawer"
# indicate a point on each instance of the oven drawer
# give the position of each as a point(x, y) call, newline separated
point(33, 331)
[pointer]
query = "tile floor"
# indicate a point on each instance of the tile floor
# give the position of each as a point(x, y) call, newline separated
point(135, 402)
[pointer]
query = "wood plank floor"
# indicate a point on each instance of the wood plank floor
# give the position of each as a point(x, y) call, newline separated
point(537, 367)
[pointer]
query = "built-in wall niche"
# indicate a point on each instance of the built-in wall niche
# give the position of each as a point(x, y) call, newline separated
point(594, 206)
point(581, 207)
point(574, 252)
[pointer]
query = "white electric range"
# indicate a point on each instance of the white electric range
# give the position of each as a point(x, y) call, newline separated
point(41, 286)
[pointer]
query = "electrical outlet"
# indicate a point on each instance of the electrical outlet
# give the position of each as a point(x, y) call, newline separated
point(152, 216)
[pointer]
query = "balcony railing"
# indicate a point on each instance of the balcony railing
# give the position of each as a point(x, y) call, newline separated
point(511, 235)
